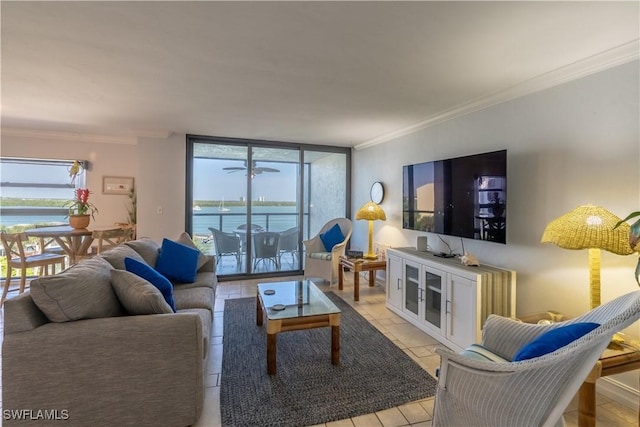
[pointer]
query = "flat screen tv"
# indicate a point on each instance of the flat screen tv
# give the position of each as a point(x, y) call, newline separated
point(463, 196)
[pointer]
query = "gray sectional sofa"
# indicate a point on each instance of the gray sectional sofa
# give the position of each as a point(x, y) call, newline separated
point(81, 354)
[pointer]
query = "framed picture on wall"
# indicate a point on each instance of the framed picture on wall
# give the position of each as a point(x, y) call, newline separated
point(117, 184)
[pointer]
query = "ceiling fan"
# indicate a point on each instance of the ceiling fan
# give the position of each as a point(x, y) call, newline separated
point(255, 170)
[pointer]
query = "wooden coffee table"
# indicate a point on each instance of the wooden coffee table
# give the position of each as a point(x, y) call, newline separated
point(292, 306)
point(357, 265)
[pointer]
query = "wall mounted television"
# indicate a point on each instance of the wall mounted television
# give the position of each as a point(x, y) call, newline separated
point(463, 196)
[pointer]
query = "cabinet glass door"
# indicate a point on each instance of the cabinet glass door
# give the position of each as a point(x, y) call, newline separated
point(412, 288)
point(433, 300)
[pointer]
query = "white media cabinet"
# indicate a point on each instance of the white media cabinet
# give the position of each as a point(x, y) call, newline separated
point(445, 298)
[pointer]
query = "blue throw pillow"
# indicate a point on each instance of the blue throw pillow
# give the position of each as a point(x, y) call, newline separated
point(554, 339)
point(332, 237)
point(155, 278)
point(177, 261)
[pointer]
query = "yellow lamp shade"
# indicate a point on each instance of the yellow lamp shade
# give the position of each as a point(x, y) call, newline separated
point(371, 212)
point(594, 228)
point(588, 227)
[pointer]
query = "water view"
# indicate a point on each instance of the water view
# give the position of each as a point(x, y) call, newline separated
point(271, 218)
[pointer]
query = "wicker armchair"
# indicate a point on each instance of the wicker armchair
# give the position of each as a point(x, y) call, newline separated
point(226, 244)
point(265, 248)
point(319, 262)
point(529, 392)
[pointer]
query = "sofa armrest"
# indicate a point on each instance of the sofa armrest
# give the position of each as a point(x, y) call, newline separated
point(210, 266)
point(138, 370)
point(22, 314)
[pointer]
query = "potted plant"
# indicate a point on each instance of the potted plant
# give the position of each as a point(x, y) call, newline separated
point(634, 238)
point(80, 209)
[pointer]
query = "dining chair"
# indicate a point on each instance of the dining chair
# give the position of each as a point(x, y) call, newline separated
point(107, 239)
point(13, 244)
point(226, 244)
point(265, 248)
point(49, 244)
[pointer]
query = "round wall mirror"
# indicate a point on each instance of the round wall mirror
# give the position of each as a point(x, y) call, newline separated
point(377, 193)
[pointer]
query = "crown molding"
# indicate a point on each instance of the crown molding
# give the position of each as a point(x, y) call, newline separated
point(84, 137)
point(608, 59)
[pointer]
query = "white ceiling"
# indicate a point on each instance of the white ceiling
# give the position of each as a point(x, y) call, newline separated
point(337, 73)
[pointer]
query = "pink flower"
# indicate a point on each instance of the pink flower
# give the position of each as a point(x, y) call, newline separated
point(80, 205)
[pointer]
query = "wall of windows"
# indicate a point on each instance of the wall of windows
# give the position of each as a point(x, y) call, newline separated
point(252, 203)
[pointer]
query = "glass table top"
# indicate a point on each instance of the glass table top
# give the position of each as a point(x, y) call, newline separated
point(297, 298)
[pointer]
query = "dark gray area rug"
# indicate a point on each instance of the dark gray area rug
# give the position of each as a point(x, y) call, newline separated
point(373, 375)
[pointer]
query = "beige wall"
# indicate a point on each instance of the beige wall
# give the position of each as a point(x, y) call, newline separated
point(161, 184)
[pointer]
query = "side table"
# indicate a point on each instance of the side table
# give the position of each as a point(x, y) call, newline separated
point(357, 265)
point(612, 361)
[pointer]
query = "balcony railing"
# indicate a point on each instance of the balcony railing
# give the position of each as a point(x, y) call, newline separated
point(230, 221)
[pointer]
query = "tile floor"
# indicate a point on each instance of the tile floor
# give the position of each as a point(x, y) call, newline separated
point(418, 345)
point(414, 342)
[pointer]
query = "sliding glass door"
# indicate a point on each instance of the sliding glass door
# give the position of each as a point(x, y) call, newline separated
point(252, 203)
point(219, 202)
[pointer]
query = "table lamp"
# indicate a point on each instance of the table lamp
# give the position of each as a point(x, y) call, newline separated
point(371, 212)
point(594, 228)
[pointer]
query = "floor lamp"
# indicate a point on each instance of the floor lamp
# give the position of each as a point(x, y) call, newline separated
point(594, 228)
point(371, 212)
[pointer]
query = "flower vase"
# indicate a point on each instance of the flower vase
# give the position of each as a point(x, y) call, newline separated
point(79, 221)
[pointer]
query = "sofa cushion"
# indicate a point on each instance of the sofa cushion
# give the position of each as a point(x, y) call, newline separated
point(81, 292)
point(177, 261)
point(117, 254)
point(478, 352)
point(137, 295)
point(193, 298)
point(554, 339)
point(149, 274)
point(147, 248)
point(185, 239)
point(325, 256)
point(332, 237)
point(203, 280)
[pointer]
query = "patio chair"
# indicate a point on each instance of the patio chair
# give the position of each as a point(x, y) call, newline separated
point(265, 248)
point(288, 244)
point(226, 244)
point(13, 244)
point(242, 232)
point(323, 263)
point(529, 392)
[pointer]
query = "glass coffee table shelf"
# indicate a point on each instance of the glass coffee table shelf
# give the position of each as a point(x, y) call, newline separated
point(293, 306)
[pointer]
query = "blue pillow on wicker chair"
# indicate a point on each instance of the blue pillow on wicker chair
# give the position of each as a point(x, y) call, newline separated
point(332, 237)
point(554, 339)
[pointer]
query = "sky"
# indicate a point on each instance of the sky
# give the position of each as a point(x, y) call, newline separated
point(211, 182)
point(30, 173)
